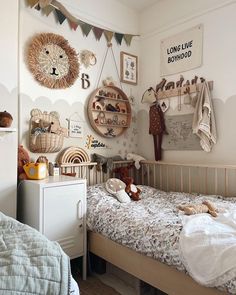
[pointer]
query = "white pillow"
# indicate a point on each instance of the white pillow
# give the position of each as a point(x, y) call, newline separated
point(116, 187)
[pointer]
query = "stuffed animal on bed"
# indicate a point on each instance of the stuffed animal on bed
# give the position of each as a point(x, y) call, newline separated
point(122, 172)
point(132, 190)
point(205, 207)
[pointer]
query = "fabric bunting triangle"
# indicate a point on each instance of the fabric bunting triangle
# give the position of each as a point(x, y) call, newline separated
point(86, 28)
point(47, 10)
point(97, 32)
point(119, 37)
point(60, 16)
point(32, 3)
point(37, 7)
point(73, 25)
point(108, 35)
point(128, 38)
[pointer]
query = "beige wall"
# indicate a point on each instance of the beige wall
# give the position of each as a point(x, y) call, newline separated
point(219, 64)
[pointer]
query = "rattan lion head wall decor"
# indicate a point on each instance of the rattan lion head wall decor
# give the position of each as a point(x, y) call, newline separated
point(52, 61)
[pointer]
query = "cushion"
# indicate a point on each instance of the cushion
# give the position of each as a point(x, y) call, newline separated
point(116, 187)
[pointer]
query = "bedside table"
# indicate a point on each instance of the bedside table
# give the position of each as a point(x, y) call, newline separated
point(56, 207)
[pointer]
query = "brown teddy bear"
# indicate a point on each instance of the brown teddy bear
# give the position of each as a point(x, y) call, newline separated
point(205, 207)
point(23, 158)
point(132, 190)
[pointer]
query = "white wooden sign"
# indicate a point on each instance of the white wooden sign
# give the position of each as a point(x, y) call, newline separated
point(182, 52)
point(76, 128)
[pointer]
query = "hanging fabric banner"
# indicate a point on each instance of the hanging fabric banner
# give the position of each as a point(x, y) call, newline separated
point(47, 6)
point(182, 52)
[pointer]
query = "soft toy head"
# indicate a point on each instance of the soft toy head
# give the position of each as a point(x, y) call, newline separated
point(122, 172)
point(23, 158)
point(131, 189)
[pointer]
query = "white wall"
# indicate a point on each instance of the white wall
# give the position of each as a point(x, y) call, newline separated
point(8, 102)
point(219, 64)
point(106, 14)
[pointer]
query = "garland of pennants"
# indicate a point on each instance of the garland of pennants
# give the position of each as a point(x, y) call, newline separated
point(61, 13)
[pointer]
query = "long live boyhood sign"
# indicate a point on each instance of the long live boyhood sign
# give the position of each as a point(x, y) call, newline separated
point(182, 52)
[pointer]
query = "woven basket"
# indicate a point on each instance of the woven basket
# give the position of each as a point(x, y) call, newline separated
point(46, 143)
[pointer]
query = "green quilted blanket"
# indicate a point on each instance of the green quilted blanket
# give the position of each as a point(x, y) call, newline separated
point(29, 262)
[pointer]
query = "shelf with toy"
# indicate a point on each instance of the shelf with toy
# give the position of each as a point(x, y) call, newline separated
point(110, 98)
point(125, 114)
point(113, 125)
point(109, 111)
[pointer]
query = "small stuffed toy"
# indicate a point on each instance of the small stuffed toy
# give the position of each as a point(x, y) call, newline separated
point(132, 190)
point(122, 172)
point(205, 207)
point(23, 158)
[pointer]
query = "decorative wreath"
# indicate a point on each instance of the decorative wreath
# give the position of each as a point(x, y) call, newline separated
point(52, 61)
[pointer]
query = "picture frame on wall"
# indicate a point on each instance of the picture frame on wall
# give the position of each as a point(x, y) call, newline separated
point(128, 68)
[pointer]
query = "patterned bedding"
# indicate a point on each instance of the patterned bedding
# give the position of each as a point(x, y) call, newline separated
point(151, 226)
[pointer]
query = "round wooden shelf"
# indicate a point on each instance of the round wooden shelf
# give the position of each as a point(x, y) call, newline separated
point(109, 111)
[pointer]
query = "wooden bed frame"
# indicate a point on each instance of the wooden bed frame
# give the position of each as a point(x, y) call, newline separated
point(169, 177)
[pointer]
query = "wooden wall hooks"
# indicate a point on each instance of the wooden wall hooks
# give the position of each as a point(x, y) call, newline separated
point(181, 90)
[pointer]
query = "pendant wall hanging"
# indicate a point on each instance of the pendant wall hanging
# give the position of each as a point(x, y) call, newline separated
point(52, 61)
point(109, 110)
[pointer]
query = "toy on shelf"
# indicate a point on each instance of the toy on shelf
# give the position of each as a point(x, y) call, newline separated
point(109, 111)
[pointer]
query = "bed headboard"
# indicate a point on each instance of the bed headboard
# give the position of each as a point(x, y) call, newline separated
point(189, 178)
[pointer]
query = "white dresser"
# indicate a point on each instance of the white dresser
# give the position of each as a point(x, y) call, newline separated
point(56, 206)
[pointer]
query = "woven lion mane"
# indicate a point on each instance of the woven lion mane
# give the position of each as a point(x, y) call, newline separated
point(37, 45)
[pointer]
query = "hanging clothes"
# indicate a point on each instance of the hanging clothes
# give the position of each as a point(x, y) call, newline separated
point(157, 128)
point(204, 124)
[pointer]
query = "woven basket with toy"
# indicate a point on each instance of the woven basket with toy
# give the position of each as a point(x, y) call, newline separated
point(46, 134)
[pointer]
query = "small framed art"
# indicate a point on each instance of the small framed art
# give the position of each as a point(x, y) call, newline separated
point(128, 68)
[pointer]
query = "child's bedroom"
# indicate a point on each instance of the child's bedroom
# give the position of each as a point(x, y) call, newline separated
point(118, 149)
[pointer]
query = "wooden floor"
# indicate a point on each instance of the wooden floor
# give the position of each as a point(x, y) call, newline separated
point(93, 286)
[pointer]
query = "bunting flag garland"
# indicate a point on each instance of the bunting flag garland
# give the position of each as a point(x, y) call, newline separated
point(73, 25)
point(47, 10)
point(86, 28)
point(119, 37)
point(37, 7)
point(61, 14)
point(32, 3)
point(108, 35)
point(97, 33)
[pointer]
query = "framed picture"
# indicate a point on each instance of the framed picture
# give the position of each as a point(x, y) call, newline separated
point(128, 68)
point(76, 128)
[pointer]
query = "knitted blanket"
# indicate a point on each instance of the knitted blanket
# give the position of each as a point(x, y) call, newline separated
point(30, 263)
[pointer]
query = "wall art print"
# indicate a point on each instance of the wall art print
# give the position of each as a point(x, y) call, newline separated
point(128, 68)
point(52, 61)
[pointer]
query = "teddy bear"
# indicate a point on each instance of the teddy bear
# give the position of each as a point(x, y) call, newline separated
point(23, 158)
point(122, 172)
point(132, 190)
point(205, 207)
